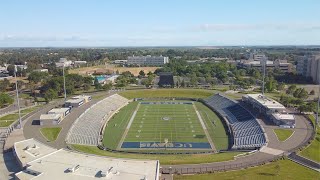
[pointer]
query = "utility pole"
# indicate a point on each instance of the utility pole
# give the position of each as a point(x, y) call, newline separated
point(317, 114)
point(264, 61)
point(64, 85)
point(17, 94)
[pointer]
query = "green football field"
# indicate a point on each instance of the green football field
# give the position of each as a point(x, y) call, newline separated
point(174, 122)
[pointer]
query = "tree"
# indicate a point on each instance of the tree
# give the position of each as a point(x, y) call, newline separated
point(291, 89)
point(37, 77)
point(280, 86)
point(141, 73)
point(97, 85)
point(4, 84)
point(300, 93)
point(107, 87)
point(50, 95)
point(11, 69)
point(312, 92)
point(86, 87)
point(5, 99)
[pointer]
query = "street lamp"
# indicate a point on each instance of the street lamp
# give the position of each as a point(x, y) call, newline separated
point(17, 93)
point(264, 60)
point(64, 85)
point(317, 118)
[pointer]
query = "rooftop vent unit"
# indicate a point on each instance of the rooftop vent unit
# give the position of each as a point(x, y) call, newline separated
point(73, 169)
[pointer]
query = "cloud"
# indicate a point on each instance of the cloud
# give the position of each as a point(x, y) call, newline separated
point(266, 26)
point(32, 38)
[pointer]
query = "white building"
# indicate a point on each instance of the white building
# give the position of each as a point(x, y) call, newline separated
point(41, 70)
point(42, 162)
point(49, 119)
point(148, 60)
point(63, 62)
point(258, 60)
point(272, 109)
point(309, 66)
point(63, 111)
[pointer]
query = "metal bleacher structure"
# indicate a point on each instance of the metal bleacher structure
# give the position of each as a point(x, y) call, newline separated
point(246, 131)
point(86, 129)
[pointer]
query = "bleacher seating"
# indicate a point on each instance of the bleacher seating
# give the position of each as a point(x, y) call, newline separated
point(246, 130)
point(86, 128)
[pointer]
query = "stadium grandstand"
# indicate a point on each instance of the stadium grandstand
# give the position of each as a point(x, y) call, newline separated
point(87, 127)
point(40, 161)
point(273, 110)
point(246, 131)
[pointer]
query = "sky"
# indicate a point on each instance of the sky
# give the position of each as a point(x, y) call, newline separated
point(71, 23)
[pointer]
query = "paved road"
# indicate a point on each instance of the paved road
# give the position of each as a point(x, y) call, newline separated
point(33, 131)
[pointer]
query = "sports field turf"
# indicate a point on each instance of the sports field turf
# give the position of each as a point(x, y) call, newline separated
point(116, 126)
point(153, 93)
point(150, 124)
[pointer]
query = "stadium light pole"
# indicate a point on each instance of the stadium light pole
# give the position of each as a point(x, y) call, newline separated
point(317, 118)
point(17, 94)
point(264, 73)
point(64, 85)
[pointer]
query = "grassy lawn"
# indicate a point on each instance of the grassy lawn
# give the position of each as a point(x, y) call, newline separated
point(117, 124)
point(282, 169)
point(214, 125)
point(312, 151)
point(10, 117)
point(6, 123)
point(164, 159)
point(50, 134)
point(150, 93)
point(283, 134)
point(7, 120)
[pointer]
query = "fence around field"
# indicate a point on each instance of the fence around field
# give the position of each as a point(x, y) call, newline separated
point(211, 168)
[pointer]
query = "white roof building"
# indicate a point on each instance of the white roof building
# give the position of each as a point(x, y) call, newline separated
point(267, 102)
point(62, 164)
point(50, 116)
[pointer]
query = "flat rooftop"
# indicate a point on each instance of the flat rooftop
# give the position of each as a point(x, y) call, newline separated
point(288, 117)
point(29, 150)
point(49, 116)
point(266, 101)
point(60, 163)
point(75, 100)
point(59, 110)
point(80, 97)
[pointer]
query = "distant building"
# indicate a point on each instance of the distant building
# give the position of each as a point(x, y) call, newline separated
point(41, 70)
point(79, 63)
point(120, 61)
point(63, 62)
point(309, 66)
point(148, 60)
point(22, 67)
point(257, 61)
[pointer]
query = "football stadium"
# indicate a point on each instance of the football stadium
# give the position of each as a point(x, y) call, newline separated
point(161, 131)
